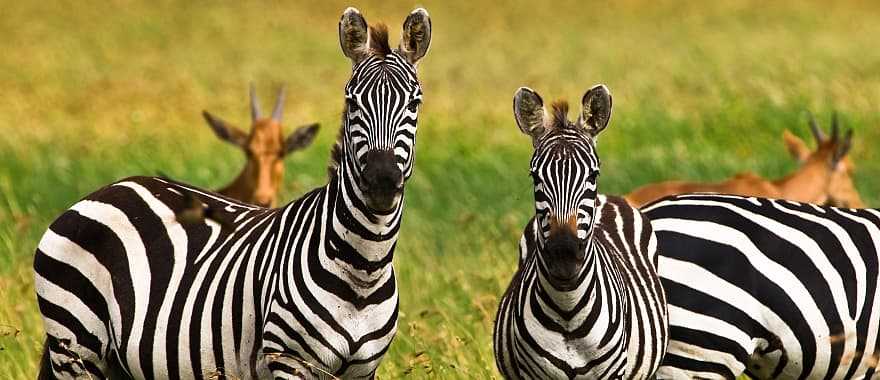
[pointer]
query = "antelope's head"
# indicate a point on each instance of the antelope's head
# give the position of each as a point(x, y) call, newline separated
point(265, 147)
point(829, 161)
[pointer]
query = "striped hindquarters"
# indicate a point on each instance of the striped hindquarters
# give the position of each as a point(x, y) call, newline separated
point(123, 286)
point(771, 288)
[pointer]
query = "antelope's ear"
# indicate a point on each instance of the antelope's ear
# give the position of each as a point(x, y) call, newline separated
point(301, 138)
point(796, 147)
point(225, 131)
point(597, 109)
point(529, 112)
point(416, 37)
point(353, 34)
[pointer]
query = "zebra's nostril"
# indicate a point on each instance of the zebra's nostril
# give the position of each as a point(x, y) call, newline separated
point(564, 255)
point(382, 180)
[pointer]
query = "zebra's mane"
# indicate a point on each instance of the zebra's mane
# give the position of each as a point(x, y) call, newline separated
point(336, 152)
point(379, 40)
point(564, 136)
point(559, 115)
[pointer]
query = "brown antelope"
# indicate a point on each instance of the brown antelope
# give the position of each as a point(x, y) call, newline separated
point(824, 176)
point(265, 148)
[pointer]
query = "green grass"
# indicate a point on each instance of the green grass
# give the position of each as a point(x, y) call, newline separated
point(93, 93)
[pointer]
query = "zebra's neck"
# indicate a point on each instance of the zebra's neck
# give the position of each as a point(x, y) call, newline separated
point(569, 304)
point(584, 322)
point(360, 242)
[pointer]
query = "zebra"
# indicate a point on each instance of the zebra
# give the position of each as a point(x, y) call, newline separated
point(585, 301)
point(774, 289)
point(303, 291)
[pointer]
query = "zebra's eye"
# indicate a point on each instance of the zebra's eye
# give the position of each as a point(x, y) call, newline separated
point(352, 105)
point(413, 106)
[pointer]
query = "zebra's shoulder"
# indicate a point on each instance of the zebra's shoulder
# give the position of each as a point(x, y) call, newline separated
point(614, 212)
point(623, 228)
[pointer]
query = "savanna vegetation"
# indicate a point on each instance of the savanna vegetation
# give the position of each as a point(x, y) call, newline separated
point(93, 92)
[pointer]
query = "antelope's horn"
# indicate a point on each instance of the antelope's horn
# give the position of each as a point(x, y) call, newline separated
point(835, 127)
point(279, 105)
point(814, 127)
point(255, 104)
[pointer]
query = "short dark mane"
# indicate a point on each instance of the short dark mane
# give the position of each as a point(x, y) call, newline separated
point(336, 152)
point(379, 40)
point(560, 114)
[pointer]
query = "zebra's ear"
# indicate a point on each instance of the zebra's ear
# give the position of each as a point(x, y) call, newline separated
point(416, 36)
point(353, 34)
point(529, 112)
point(597, 109)
point(225, 131)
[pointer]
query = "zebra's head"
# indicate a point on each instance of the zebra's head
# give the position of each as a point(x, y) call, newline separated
point(564, 168)
point(377, 140)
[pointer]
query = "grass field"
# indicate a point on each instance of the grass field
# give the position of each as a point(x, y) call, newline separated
point(95, 92)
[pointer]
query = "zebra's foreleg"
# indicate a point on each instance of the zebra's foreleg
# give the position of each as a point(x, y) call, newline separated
point(288, 367)
point(65, 360)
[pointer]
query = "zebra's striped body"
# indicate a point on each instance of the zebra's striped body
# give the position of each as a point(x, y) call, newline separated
point(610, 320)
point(117, 275)
point(585, 301)
point(307, 290)
point(771, 288)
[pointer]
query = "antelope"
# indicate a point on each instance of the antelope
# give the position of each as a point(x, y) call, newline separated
point(824, 176)
point(265, 148)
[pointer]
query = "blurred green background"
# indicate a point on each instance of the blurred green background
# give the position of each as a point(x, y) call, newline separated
point(96, 91)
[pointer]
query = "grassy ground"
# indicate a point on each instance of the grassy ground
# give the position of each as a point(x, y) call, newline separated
point(93, 93)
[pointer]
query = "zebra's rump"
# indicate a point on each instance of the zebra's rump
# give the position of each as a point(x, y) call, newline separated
point(119, 277)
point(772, 288)
point(122, 278)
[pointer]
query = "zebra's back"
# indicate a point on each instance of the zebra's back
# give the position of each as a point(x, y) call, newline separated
point(771, 288)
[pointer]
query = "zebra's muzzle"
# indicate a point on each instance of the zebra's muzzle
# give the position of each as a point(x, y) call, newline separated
point(564, 256)
point(381, 181)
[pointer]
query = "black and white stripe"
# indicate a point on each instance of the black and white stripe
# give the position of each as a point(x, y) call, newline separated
point(306, 290)
point(585, 301)
point(769, 288)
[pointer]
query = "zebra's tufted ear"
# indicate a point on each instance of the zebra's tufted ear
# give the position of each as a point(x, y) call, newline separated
point(529, 112)
point(353, 34)
point(416, 37)
point(597, 109)
point(225, 131)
